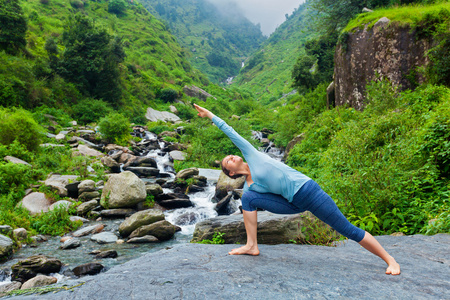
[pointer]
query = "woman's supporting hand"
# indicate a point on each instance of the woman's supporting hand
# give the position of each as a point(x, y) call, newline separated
point(203, 112)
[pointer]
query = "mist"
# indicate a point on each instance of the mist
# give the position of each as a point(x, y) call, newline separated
point(269, 13)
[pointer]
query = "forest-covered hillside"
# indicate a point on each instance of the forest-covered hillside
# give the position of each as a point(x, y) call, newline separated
point(219, 38)
point(73, 52)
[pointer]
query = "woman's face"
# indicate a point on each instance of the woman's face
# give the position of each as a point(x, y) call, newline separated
point(232, 163)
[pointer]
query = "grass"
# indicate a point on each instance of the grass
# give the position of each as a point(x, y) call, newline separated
point(402, 15)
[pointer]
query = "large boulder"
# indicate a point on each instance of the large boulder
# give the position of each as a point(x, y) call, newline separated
point(35, 203)
point(113, 165)
point(6, 246)
point(196, 92)
point(123, 190)
point(154, 116)
point(104, 238)
point(29, 267)
point(226, 184)
point(86, 207)
point(385, 50)
point(40, 280)
point(5, 288)
point(272, 228)
point(64, 204)
point(86, 186)
point(162, 230)
point(153, 189)
point(139, 219)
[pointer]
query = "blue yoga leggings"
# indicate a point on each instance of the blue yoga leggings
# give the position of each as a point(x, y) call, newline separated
point(311, 198)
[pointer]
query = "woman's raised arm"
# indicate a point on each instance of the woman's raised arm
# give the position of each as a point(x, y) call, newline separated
point(203, 112)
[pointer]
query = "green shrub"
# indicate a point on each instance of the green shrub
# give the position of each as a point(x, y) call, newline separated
point(168, 95)
point(14, 177)
point(90, 110)
point(158, 127)
point(61, 116)
point(18, 124)
point(185, 112)
point(55, 222)
point(115, 128)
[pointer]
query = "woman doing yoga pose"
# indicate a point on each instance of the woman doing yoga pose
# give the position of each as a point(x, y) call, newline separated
point(275, 187)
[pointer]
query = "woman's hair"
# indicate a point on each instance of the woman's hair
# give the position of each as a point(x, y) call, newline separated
point(228, 172)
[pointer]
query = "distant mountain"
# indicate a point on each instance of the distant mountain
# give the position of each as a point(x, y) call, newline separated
point(267, 73)
point(219, 38)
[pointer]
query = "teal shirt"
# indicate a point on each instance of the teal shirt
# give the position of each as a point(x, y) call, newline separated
point(268, 174)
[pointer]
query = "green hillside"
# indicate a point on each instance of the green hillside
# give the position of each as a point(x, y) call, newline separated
point(151, 57)
point(268, 72)
point(219, 39)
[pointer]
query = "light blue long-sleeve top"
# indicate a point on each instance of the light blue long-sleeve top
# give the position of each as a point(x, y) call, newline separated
point(268, 174)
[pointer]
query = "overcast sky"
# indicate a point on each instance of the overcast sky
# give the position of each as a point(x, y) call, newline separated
point(269, 13)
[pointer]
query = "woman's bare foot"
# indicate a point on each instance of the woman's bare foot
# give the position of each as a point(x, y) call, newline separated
point(393, 268)
point(249, 250)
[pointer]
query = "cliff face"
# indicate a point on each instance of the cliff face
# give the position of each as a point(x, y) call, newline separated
point(386, 49)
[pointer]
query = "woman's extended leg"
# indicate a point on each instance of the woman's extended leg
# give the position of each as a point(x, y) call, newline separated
point(371, 244)
point(251, 224)
point(323, 207)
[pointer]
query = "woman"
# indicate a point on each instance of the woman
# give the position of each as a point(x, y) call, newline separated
point(275, 187)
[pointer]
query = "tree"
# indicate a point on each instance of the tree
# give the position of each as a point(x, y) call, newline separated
point(91, 59)
point(117, 7)
point(13, 26)
point(303, 73)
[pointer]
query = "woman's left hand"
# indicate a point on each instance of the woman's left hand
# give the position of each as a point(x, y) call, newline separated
point(203, 112)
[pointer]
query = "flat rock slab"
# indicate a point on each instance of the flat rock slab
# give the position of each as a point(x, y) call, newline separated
point(195, 271)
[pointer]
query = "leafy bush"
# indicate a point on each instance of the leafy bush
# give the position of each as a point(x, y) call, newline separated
point(41, 113)
point(54, 222)
point(18, 124)
point(90, 110)
point(115, 128)
point(158, 127)
point(185, 112)
point(168, 95)
point(14, 177)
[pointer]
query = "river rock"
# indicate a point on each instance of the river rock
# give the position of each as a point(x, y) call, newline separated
point(173, 200)
point(143, 171)
point(143, 161)
point(139, 219)
point(154, 116)
point(109, 162)
point(16, 160)
point(178, 155)
point(188, 218)
point(104, 238)
point(5, 229)
point(39, 280)
point(187, 173)
point(88, 269)
point(14, 285)
point(64, 185)
point(226, 184)
point(70, 244)
point(86, 186)
point(29, 267)
point(86, 196)
point(143, 240)
point(162, 230)
point(123, 190)
point(6, 247)
point(88, 230)
point(296, 140)
point(86, 151)
point(20, 233)
point(272, 228)
point(77, 218)
point(35, 203)
point(86, 207)
point(106, 254)
point(65, 204)
point(222, 206)
point(153, 189)
point(117, 213)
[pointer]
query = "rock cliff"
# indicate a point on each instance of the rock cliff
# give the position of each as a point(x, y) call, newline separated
point(387, 49)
